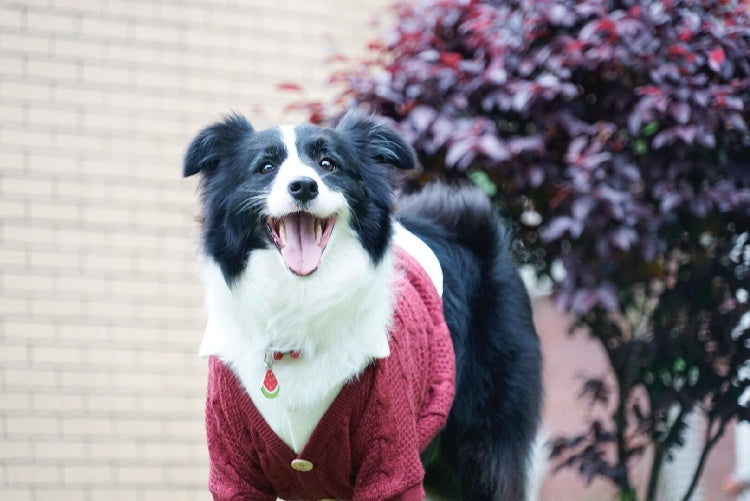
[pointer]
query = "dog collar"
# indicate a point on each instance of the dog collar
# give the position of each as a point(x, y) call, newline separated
point(270, 386)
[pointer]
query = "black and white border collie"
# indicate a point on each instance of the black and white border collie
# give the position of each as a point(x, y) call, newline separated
point(299, 230)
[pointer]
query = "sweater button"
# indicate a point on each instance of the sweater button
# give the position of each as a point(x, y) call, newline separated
point(301, 465)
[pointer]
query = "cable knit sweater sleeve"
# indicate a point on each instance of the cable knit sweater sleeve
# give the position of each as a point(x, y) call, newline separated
point(411, 394)
point(235, 473)
point(387, 462)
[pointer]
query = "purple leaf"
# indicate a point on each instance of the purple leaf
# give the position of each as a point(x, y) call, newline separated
point(734, 103)
point(687, 134)
point(582, 207)
point(575, 149)
point(456, 151)
point(607, 296)
point(737, 122)
point(529, 144)
point(669, 202)
point(493, 148)
point(716, 59)
point(536, 176)
point(623, 238)
point(595, 160)
point(680, 111)
point(561, 225)
point(421, 117)
point(560, 15)
point(662, 138)
point(521, 98)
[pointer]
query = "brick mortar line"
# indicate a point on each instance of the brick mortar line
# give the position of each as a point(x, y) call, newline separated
point(113, 323)
point(110, 368)
point(63, 105)
point(187, 93)
point(173, 299)
point(176, 186)
point(234, 11)
point(192, 300)
point(97, 391)
point(184, 349)
point(142, 415)
point(184, 70)
point(89, 299)
point(115, 134)
point(191, 356)
point(170, 437)
point(177, 311)
point(119, 339)
point(98, 273)
point(111, 387)
point(185, 366)
point(80, 109)
point(96, 248)
point(166, 483)
point(89, 272)
point(88, 459)
point(54, 56)
point(134, 207)
point(204, 97)
point(115, 339)
point(77, 436)
point(46, 462)
point(82, 154)
point(53, 129)
point(165, 231)
point(145, 229)
point(229, 50)
point(103, 15)
point(67, 391)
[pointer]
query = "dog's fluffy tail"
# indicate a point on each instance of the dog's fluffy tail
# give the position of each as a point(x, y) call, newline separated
point(490, 432)
point(462, 210)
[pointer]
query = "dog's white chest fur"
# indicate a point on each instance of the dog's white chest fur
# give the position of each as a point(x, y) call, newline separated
point(337, 317)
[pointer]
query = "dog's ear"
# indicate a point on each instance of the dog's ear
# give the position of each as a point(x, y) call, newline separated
point(212, 143)
point(382, 144)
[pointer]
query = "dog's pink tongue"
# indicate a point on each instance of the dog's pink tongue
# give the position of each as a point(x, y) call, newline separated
point(301, 252)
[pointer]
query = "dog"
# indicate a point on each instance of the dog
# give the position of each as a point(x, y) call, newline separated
point(360, 346)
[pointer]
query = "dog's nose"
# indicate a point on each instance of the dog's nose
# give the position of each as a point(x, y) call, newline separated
point(303, 189)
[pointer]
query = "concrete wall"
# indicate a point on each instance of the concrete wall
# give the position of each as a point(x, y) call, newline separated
point(101, 390)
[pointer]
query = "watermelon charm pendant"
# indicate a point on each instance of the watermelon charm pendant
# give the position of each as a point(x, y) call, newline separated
point(270, 386)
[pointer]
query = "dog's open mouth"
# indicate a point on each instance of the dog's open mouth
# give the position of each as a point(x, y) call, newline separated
point(301, 238)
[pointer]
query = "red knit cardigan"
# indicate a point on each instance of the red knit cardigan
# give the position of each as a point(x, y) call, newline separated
point(367, 444)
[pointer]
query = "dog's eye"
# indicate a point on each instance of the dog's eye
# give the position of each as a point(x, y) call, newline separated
point(267, 168)
point(327, 165)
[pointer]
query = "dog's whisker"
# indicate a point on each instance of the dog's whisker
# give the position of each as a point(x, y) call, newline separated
point(252, 203)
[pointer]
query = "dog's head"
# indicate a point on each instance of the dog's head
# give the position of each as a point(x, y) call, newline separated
point(291, 188)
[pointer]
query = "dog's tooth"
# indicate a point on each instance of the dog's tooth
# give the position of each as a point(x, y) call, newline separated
point(318, 230)
point(282, 232)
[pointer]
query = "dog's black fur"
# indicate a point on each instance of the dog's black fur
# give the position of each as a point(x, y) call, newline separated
point(483, 451)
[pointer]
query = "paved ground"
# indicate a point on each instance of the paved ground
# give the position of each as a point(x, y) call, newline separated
point(566, 359)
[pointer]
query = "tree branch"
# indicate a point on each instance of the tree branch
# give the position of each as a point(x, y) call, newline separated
point(659, 452)
point(708, 444)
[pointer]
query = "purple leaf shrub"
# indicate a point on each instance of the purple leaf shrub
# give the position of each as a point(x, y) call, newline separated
point(616, 134)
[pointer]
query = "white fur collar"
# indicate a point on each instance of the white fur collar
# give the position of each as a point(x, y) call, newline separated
point(339, 317)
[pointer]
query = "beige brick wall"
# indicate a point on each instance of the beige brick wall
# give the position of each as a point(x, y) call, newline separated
point(101, 390)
